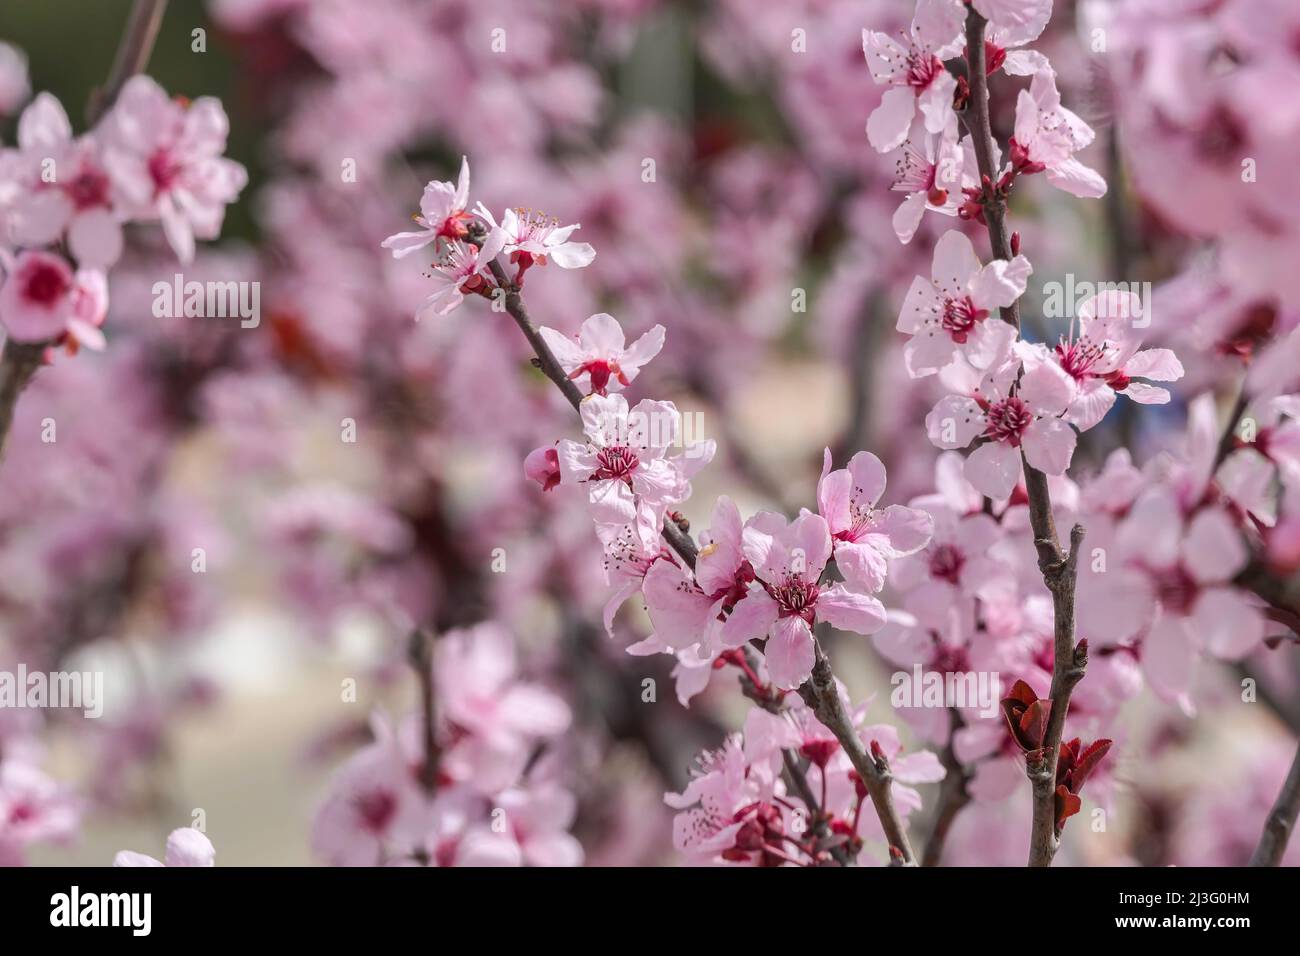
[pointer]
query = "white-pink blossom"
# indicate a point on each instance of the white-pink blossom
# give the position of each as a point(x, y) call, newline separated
point(166, 162)
point(443, 215)
point(865, 538)
point(950, 312)
point(1009, 413)
point(915, 73)
point(600, 356)
point(1047, 135)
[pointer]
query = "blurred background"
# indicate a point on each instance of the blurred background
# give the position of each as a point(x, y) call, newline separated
point(760, 238)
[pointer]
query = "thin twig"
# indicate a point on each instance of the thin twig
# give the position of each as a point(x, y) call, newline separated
point(420, 652)
point(1059, 569)
point(18, 363)
point(1281, 820)
point(954, 794)
point(822, 695)
point(132, 57)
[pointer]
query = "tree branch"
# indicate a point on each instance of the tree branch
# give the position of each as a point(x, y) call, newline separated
point(1060, 570)
point(132, 56)
point(1281, 820)
point(953, 795)
point(420, 652)
point(821, 694)
point(18, 364)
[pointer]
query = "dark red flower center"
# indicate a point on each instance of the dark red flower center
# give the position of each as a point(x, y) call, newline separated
point(44, 283)
point(960, 317)
point(1007, 420)
point(615, 463)
point(946, 563)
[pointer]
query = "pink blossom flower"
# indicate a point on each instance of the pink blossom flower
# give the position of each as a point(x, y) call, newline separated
point(1168, 579)
point(186, 846)
point(949, 312)
point(929, 170)
point(727, 809)
point(543, 466)
point(374, 810)
point(1013, 23)
point(631, 550)
point(494, 717)
point(915, 73)
point(532, 238)
point(788, 559)
point(959, 564)
point(459, 834)
point(626, 456)
point(460, 269)
point(40, 296)
point(77, 200)
point(708, 606)
point(600, 356)
point(1047, 136)
point(166, 161)
point(1104, 359)
point(539, 818)
point(33, 807)
point(1009, 413)
point(14, 85)
point(865, 538)
point(442, 215)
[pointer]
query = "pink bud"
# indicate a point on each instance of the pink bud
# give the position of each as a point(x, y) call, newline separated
point(543, 466)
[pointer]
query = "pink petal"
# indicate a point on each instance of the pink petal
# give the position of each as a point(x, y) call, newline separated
point(954, 422)
point(850, 610)
point(790, 655)
point(1159, 365)
point(954, 263)
point(1213, 550)
point(993, 468)
point(1049, 445)
point(888, 124)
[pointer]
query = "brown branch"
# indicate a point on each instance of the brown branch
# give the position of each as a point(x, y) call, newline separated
point(821, 694)
point(18, 364)
point(1060, 570)
point(953, 795)
point(1227, 440)
point(1281, 820)
point(1069, 662)
point(132, 55)
point(420, 654)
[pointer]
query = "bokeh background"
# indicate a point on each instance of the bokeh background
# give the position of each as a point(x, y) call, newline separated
point(224, 688)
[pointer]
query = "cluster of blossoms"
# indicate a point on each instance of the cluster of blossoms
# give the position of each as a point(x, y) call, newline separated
point(1170, 544)
point(461, 266)
point(492, 799)
point(34, 808)
point(759, 581)
point(64, 200)
point(737, 809)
